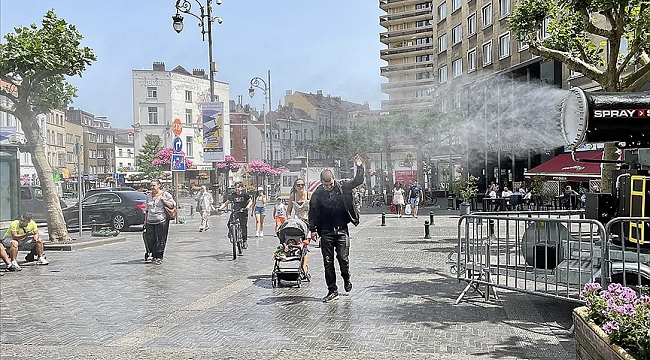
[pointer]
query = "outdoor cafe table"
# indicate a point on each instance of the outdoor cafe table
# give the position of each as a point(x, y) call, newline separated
point(494, 204)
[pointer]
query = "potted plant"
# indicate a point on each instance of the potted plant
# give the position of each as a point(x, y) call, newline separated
point(614, 324)
point(465, 189)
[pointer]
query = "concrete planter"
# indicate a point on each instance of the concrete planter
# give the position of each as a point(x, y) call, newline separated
point(591, 341)
point(465, 209)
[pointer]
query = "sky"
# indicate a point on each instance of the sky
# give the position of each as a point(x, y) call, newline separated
point(308, 45)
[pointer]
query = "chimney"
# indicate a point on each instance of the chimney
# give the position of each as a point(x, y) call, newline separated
point(158, 66)
point(319, 92)
point(198, 72)
point(239, 100)
point(287, 93)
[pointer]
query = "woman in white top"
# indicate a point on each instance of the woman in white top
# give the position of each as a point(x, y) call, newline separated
point(260, 212)
point(398, 198)
point(205, 202)
point(299, 201)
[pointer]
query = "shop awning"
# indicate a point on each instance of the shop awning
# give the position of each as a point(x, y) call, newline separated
point(563, 168)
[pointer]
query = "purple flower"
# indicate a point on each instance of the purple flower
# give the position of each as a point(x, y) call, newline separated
point(610, 327)
point(592, 287)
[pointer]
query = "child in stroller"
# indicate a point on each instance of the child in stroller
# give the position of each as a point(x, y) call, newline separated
point(293, 235)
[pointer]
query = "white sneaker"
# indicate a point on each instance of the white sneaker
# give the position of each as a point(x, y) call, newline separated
point(42, 261)
point(14, 266)
point(257, 234)
point(261, 233)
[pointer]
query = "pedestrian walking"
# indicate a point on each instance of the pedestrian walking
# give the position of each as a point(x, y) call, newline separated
point(205, 207)
point(260, 212)
point(415, 194)
point(279, 213)
point(159, 203)
point(398, 198)
point(331, 208)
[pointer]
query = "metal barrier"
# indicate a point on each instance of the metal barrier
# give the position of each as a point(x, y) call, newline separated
point(549, 253)
point(627, 254)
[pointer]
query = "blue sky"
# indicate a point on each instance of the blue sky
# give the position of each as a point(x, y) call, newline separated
point(308, 46)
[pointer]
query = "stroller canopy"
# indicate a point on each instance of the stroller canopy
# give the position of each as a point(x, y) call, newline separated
point(293, 228)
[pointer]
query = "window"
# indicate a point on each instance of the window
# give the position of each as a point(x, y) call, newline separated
point(188, 96)
point(425, 40)
point(70, 158)
point(471, 60)
point(523, 46)
point(424, 75)
point(188, 116)
point(456, 4)
point(422, 23)
point(442, 74)
point(68, 138)
point(487, 15)
point(624, 48)
point(423, 58)
point(423, 5)
point(457, 67)
point(487, 53)
point(152, 92)
point(442, 43)
point(61, 159)
point(504, 8)
point(189, 149)
point(152, 115)
point(442, 105)
point(119, 152)
point(471, 24)
point(504, 45)
point(457, 101)
point(442, 11)
point(457, 34)
point(421, 93)
point(545, 33)
point(244, 142)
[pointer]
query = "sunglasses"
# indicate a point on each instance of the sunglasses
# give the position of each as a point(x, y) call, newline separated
point(300, 185)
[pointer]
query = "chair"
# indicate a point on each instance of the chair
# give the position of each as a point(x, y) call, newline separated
point(514, 202)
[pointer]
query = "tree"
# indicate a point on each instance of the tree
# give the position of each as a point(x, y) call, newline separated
point(148, 153)
point(586, 35)
point(34, 62)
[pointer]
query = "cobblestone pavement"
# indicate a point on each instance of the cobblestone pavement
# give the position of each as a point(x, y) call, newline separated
point(105, 303)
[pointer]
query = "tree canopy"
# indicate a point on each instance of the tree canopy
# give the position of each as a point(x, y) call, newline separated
point(148, 154)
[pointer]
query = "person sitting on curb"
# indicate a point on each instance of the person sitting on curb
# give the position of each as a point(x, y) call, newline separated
point(23, 235)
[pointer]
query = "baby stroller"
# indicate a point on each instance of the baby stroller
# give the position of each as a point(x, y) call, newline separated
point(290, 253)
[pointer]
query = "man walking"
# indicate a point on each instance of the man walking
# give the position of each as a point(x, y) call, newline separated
point(415, 194)
point(331, 208)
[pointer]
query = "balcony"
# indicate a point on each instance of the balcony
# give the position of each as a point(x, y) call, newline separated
point(405, 34)
point(410, 15)
point(406, 67)
point(410, 103)
point(387, 4)
point(412, 50)
point(401, 85)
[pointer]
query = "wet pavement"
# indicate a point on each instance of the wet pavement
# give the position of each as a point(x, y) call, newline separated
point(103, 302)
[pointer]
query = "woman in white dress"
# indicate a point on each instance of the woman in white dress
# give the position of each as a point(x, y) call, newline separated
point(398, 198)
point(205, 201)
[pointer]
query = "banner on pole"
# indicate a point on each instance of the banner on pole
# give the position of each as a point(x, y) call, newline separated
point(212, 117)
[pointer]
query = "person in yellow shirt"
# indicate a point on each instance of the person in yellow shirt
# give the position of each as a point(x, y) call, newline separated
point(23, 235)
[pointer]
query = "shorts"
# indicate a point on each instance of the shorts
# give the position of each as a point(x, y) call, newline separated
point(279, 220)
point(261, 210)
point(25, 244)
point(415, 201)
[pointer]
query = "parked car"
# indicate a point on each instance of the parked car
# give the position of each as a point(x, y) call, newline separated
point(31, 200)
point(117, 209)
point(104, 189)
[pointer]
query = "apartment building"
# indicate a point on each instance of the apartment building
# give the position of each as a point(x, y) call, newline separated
point(160, 96)
point(73, 135)
point(55, 134)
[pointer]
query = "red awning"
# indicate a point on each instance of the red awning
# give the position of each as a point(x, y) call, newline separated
point(563, 168)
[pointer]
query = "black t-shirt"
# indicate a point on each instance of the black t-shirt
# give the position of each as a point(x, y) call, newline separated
point(239, 201)
point(415, 191)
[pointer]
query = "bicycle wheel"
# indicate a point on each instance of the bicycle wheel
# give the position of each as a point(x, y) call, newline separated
point(233, 240)
point(240, 239)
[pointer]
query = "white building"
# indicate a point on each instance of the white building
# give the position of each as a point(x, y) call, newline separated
point(124, 151)
point(161, 96)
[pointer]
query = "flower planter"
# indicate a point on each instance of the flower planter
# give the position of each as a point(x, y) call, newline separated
point(591, 341)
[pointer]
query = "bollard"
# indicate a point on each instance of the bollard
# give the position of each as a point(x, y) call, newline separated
point(191, 210)
point(431, 218)
point(383, 219)
point(427, 235)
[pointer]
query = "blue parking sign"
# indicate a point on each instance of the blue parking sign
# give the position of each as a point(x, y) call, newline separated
point(178, 162)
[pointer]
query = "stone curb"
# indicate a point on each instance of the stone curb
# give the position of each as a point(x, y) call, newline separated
point(83, 243)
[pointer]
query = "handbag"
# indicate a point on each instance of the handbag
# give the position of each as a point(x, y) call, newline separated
point(407, 209)
point(171, 212)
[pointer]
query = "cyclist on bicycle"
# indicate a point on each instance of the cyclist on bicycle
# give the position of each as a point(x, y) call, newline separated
point(242, 202)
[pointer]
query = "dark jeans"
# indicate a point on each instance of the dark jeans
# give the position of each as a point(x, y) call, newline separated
point(338, 241)
point(157, 238)
point(243, 223)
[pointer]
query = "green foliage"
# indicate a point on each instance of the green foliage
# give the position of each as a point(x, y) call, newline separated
point(148, 153)
point(36, 60)
point(582, 31)
point(465, 189)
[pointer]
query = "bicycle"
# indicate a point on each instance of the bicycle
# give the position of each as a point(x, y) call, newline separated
point(235, 233)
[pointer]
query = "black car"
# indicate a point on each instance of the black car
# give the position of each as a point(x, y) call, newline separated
point(117, 209)
point(31, 200)
point(104, 189)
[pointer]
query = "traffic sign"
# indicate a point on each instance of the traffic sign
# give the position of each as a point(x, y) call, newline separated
point(177, 127)
point(178, 162)
point(177, 145)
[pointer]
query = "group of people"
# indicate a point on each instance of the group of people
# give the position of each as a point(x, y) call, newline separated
point(407, 202)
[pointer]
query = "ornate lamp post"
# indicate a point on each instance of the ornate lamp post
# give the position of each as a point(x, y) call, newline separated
point(205, 23)
point(255, 83)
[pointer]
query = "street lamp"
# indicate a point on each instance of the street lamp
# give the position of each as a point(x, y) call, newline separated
point(205, 23)
point(255, 83)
